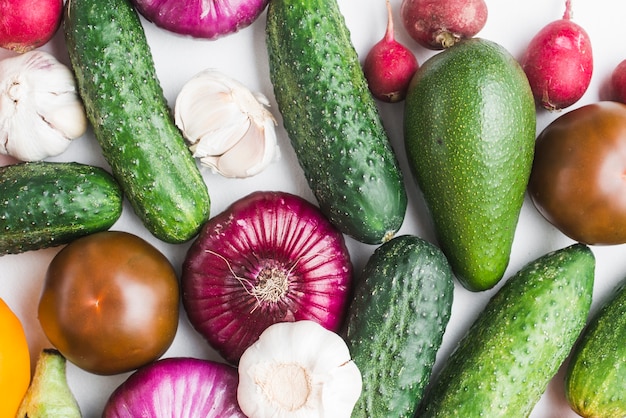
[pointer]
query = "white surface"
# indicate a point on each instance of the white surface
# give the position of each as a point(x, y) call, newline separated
point(243, 56)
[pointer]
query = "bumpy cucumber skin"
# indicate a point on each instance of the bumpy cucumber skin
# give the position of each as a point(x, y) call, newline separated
point(595, 375)
point(396, 322)
point(332, 119)
point(131, 119)
point(503, 364)
point(469, 130)
point(46, 204)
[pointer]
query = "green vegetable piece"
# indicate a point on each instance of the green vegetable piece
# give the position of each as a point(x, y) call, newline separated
point(395, 324)
point(49, 395)
point(332, 119)
point(469, 136)
point(503, 364)
point(595, 375)
point(45, 204)
point(131, 119)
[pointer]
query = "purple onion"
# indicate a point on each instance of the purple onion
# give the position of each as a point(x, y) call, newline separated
point(270, 257)
point(177, 387)
point(208, 19)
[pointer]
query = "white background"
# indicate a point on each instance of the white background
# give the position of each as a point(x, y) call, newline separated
point(243, 56)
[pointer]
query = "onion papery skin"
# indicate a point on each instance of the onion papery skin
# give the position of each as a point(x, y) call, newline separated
point(224, 293)
point(177, 387)
point(206, 19)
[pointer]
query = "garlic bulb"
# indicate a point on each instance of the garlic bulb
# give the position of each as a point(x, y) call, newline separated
point(40, 110)
point(228, 128)
point(298, 369)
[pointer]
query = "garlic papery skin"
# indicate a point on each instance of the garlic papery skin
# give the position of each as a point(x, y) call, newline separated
point(298, 370)
point(227, 126)
point(40, 109)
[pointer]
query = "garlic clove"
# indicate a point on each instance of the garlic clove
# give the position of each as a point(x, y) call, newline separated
point(298, 369)
point(227, 127)
point(40, 109)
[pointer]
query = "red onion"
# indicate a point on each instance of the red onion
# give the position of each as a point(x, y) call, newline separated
point(180, 387)
point(208, 19)
point(270, 257)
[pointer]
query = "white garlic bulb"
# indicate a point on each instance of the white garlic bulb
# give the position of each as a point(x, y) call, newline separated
point(40, 109)
point(298, 370)
point(228, 128)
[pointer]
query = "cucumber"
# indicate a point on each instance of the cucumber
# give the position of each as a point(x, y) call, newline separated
point(332, 119)
point(503, 364)
point(596, 372)
point(46, 204)
point(131, 119)
point(395, 324)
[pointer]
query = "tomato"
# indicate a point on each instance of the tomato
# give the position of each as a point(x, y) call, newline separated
point(110, 302)
point(578, 179)
point(14, 361)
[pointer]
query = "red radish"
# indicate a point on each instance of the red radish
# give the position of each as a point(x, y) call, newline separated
point(618, 83)
point(437, 24)
point(28, 24)
point(559, 63)
point(270, 257)
point(389, 66)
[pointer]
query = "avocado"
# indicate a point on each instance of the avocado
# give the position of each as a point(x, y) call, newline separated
point(469, 132)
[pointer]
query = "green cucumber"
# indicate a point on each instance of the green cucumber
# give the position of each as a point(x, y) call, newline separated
point(503, 364)
point(332, 119)
point(46, 204)
point(131, 119)
point(395, 324)
point(596, 372)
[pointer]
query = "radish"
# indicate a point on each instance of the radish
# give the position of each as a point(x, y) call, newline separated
point(437, 24)
point(559, 63)
point(618, 83)
point(28, 24)
point(207, 19)
point(389, 66)
point(270, 257)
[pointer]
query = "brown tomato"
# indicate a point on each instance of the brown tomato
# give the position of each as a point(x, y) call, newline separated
point(578, 180)
point(110, 302)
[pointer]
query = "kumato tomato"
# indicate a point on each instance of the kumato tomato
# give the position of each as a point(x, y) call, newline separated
point(578, 179)
point(110, 302)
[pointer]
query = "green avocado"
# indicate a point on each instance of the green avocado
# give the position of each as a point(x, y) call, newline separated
point(469, 131)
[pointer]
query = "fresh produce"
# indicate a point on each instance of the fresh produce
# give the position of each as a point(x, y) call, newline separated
point(203, 388)
point(49, 394)
point(14, 361)
point(109, 302)
point(28, 24)
point(332, 119)
point(389, 66)
point(201, 18)
point(577, 179)
point(395, 325)
point(46, 204)
point(469, 130)
point(440, 24)
point(596, 372)
point(502, 365)
point(298, 369)
point(228, 127)
point(559, 62)
point(41, 112)
point(269, 257)
point(617, 84)
point(131, 120)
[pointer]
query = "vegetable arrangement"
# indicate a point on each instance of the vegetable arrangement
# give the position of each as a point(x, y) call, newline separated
point(284, 264)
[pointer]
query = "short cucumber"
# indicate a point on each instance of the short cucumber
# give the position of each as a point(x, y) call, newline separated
point(503, 364)
point(332, 119)
point(395, 324)
point(131, 119)
point(45, 204)
point(595, 375)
